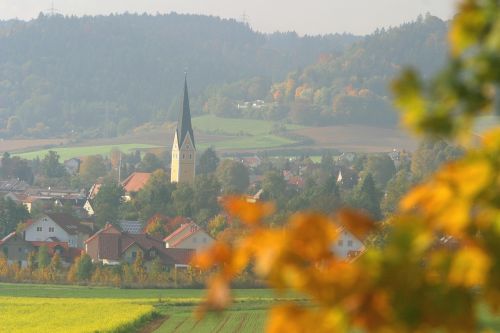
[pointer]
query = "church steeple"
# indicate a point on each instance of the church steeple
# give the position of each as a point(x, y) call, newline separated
point(183, 168)
point(184, 122)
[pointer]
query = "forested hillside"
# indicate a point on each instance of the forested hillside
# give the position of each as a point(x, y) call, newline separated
point(347, 88)
point(100, 76)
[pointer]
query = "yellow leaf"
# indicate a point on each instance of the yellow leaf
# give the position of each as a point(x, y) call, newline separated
point(470, 267)
point(249, 213)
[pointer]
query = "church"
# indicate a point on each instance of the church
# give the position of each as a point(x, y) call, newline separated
point(183, 168)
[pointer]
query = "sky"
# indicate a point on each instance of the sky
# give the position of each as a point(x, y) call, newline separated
point(305, 17)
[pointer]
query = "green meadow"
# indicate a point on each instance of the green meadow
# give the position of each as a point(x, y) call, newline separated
point(69, 152)
point(236, 126)
point(173, 308)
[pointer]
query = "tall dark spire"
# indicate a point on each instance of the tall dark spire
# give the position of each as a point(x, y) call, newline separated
point(184, 123)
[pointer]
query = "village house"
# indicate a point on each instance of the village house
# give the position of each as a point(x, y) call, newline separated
point(131, 227)
point(110, 246)
point(58, 228)
point(16, 249)
point(72, 166)
point(48, 198)
point(348, 246)
point(87, 206)
point(13, 186)
point(189, 236)
point(134, 183)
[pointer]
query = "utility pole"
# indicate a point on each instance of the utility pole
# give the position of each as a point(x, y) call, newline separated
point(120, 169)
point(52, 11)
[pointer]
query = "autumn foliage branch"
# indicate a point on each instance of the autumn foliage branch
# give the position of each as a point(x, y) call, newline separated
point(441, 256)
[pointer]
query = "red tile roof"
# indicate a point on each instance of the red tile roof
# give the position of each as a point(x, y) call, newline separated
point(6, 238)
point(193, 228)
point(177, 231)
point(136, 181)
point(113, 243)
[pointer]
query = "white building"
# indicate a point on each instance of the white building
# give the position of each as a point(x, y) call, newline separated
point(57, 228)
point(348, 246)
point(189, 236)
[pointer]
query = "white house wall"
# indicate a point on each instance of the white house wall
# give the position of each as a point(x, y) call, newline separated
point(32, 235)
point(347, 243)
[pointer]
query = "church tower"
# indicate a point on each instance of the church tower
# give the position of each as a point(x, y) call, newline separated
point(183, 149)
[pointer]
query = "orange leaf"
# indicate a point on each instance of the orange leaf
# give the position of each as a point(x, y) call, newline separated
point(358, 223)
point(248, 212)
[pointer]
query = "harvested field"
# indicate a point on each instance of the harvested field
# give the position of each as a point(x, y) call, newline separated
point(29, 144)
point(356, 138)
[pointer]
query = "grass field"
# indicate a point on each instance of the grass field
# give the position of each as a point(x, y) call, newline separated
point(57, 306)
point(29, 314)
point(69, 152)
point(234, 126)
point(248, 315)
point(248, 143)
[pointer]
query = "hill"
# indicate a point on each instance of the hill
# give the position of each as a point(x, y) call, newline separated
point(350, 88)
point(101, 76)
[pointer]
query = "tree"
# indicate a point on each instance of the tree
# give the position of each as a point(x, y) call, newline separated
point(149, 163)
point(16, 167)
point(233, 176)
point(396, 189)
point(430, 155)
point(84, 268)
point(43, 258)
point(92, 167)
point(217, 225)
point(367, 197)
point(51, 167)
point(274, 187)
point(138, 267)
point(382, 168)
point(206, 193)
point(107, 203)
point(156, 196)
point(183, 200)
point(208, 162)
point(11, 215)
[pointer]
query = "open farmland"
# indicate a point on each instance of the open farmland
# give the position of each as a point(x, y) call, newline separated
point(69, 152)
point(29, 144)
point(230, 135)
point(247, 315)
point(358, 138)
point(55, 307)
point(28, 314)
point(237, 126)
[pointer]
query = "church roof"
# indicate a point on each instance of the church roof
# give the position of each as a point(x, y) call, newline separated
point(184, 123)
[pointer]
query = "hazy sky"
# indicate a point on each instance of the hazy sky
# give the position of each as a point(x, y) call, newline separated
point(303, 16)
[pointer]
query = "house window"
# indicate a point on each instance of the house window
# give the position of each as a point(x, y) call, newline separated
point(349, 243)
point(39, 229)
point(133, 254)
point(341, 243)
point(51, 229)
